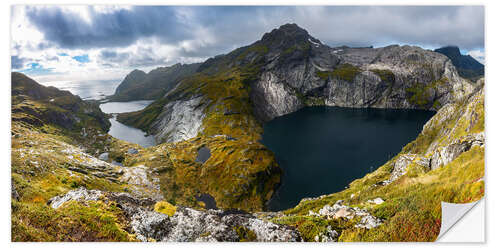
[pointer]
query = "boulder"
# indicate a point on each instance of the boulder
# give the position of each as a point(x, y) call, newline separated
point(104, 156)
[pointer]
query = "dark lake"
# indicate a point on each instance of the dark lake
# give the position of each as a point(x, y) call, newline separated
point(322, 149)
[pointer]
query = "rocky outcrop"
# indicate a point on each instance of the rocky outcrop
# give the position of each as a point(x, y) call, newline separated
point(186, 224)
point(401, 165)
point(448, 153)
point(179, 120)
point(339, 210)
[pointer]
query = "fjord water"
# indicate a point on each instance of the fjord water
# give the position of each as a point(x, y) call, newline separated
point(122, 131)
point(322, 149)
point(87, 90)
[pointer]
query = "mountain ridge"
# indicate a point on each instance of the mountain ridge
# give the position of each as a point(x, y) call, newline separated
point(466, 65)
point(138, 85)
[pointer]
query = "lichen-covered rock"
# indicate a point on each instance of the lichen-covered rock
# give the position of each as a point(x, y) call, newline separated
point(81, 194)
point(329, 235)
point(376, 201)
point(186, 224)
point(448, 153)
point(142, 181)
point(339, 210)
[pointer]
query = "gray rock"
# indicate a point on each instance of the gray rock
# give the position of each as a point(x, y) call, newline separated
point(13, 192)
point(376, 201)
point(132, 151)
point(450, 152)
point(339, 210)
point(80, 194)
point(104, 156)
point(329, 235)
point(179, 120)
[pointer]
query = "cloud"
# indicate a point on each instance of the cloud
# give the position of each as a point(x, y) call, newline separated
point(17, 62)
point(117, 39)
point(36, 69)
point(109, 29)
point(478, 55)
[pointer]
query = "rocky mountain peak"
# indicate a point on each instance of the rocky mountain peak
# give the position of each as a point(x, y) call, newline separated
point(467, 66)
point(452, 51)
point(287, 35)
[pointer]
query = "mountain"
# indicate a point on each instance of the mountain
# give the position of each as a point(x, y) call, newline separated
point(466, 65)
point(138, 85)
point(210, 178)
point(38, 105)
point(289, 69)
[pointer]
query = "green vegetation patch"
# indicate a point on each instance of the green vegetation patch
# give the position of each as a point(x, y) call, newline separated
point(420, 94)
point(245, 234)
point(385, 75)
point(346, 72)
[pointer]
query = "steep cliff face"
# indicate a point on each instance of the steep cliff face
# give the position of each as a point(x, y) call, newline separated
point(310, 73)
point(179, 120)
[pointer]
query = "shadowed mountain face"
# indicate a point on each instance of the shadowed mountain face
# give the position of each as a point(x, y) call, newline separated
point(466, 65)
point(138, 85)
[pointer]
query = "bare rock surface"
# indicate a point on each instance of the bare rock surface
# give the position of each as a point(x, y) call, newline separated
point(179, 120)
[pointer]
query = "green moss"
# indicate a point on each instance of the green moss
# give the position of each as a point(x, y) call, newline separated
point(246, 170)
point(420, 94)
point(165, 208)
point(385, 75)
point(73, 221)
point(346, 72)
point(245, 234)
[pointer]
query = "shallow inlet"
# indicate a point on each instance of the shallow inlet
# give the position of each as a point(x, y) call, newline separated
point(322, 149)
point(122, 131)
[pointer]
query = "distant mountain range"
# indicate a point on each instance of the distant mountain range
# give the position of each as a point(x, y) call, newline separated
point(466, 65)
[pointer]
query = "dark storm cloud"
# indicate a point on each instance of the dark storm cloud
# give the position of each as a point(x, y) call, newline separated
point(114, 29)
point(113, 56)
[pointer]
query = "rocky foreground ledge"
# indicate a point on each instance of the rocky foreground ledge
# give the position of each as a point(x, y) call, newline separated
point(186, 224)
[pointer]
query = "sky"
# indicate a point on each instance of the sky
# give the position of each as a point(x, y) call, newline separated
point(68, 43)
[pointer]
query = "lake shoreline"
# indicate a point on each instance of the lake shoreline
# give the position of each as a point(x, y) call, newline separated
point(123, 132)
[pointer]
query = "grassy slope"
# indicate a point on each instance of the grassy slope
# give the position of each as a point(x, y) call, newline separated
point(47, 140)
